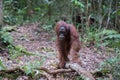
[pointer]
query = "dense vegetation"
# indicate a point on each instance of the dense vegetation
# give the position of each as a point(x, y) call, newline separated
point(105, 30)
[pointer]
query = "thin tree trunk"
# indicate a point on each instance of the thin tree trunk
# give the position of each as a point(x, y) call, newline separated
point(108, 20)
point(1, 14)
point(100, 14)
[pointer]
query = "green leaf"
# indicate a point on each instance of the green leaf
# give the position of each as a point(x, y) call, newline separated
point(1, 65)
point(27, 69)
point(118, 12)
point(113, 36)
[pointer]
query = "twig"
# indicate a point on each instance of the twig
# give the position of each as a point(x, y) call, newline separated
point(14, 70)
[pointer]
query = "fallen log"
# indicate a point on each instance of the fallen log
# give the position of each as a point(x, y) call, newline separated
point(56, 71)
point(80, 70)
point(74, 67)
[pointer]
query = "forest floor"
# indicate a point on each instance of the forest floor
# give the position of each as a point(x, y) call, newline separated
point(40, 42)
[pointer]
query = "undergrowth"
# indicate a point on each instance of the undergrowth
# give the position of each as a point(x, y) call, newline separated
point(104, 37)
point(112, 64)
point(108, 39)
point(15, 51)
point(7, 41)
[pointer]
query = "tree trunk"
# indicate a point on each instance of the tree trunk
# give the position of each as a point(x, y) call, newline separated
point(1, 14)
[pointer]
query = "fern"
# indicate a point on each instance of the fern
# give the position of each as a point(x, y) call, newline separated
point(107, 32)
point(113, 64)
point(113, 36)
point(113, 40)
point(5, 35)
point(104, 37)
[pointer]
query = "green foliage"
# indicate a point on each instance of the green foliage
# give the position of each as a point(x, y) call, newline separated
point(114, 36)
point(31, 68)
point(92, 36)
point(28, 70)
point(5, 35)
point(7, 39)
point(14, 11)
point(112, 64)
point(53, 38)
point(24, 11)
point(8, 17)
point(16, 51)
point(104, 37)
point(47, 27)
point(1, 78)
point(113, 39)
point(78, 3)
point(2, 67)
point(107, 32)
point(79, 78)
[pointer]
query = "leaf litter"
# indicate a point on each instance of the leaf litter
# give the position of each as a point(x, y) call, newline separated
point(41, 42)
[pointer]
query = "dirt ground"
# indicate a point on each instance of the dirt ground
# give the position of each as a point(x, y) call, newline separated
point(36, 40)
